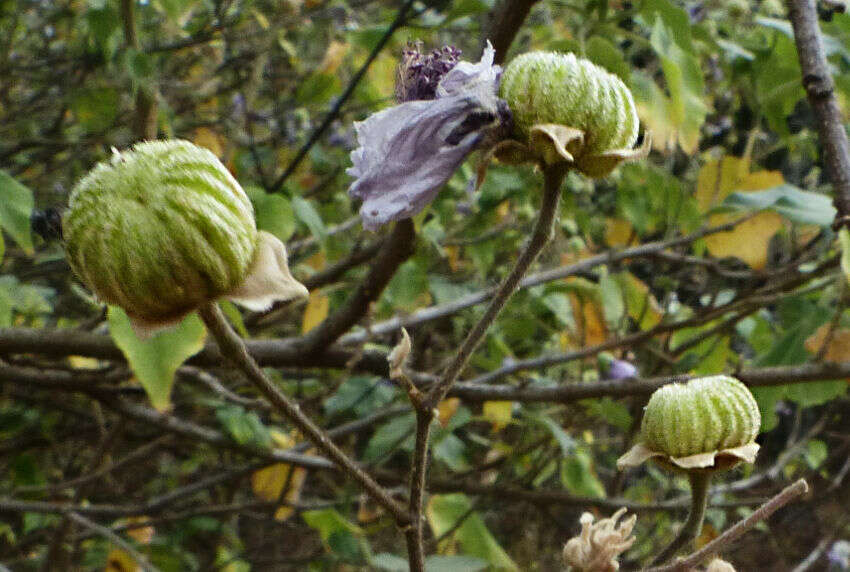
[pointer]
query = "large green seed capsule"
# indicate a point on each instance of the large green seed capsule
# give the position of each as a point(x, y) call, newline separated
point(704, 415)
point(552, 88)
point(160, 229)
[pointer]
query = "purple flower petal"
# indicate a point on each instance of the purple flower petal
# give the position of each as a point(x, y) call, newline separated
point(407, 153)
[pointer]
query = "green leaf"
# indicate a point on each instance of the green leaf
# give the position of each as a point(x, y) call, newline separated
point(244, 427)
point(96, 107)
point(307, 213)
point(274, 213)
point(361, 395)
point(816, 453)
point(605, 54)
point(578, 476)
point(452, 451)
point(445, 511)
point(611, 411)
point(398, 432)
point(565, 442)
point(328, 522)
point(683, 76)
point(793, 203)
point(155, 360)
point(16, 202)
point(611, 298)
point(318, 88)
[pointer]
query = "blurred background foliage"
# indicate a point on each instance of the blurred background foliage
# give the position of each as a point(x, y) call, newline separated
point(718, 86)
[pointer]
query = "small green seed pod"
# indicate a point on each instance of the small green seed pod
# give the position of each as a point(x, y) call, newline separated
point(569, 109)
point(698, 424)
point(163, 228)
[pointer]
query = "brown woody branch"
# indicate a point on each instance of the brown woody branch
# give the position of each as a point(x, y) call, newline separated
point(820, 90)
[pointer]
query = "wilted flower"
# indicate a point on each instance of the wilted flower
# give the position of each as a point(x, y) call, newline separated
point(707, 423)
point(163, 228)
point(406, 153)
point(570, 111)
point(597, 547)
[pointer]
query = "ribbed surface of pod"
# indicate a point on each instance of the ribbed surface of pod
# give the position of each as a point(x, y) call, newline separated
point(547, 87)
point(160, 229)
point(703, 415)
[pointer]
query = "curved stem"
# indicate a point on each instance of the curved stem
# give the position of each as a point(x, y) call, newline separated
point(542, 233)
point(233, 348)
point(693, 526)
point(543, 230)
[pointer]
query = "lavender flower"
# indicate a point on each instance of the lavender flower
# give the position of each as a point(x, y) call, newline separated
point(407, 153)
point(614, 368)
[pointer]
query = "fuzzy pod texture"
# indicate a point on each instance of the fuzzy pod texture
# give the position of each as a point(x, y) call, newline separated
point(704, 415)
point(160, 229)
point(575, 103)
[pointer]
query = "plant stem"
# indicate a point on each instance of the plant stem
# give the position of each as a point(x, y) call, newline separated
point(233, 348)
point(787, 494)
point(699, 501)
point(542, 233)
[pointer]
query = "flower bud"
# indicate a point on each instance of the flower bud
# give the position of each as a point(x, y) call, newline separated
point(568, 109)
point(163, 228)
point(710, 422)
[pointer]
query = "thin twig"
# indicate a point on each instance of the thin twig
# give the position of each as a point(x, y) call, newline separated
point(542, 234)
point(231, 345)
point(334, 112)
point(115, 539)
point(720, 543)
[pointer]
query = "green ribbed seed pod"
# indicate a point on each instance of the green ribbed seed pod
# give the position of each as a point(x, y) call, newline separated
point(707, 423)
point(160, 229)
point(703, 415)
point(597, 109)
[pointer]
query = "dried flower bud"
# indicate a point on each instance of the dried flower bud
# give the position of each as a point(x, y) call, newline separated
point(710, 422)
point(597, 547)
point(419, 74)
point(163, 228)
point(566, 109)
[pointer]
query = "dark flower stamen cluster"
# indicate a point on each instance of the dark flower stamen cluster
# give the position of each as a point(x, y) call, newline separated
point(419, 74)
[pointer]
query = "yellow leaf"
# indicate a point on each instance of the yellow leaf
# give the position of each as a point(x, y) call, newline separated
point(81, 362)
point(317, 310)
point(143, 534)
point(317, 261)
point(499, 413)
point(333, 57)
point(453, 254)
point(838, 348)
point(503, 210)
point(619, 232)
point(446, 410)
point(206, 137)
point(282, 440)
point(120, 561)
point(590, 320)
point(267, 483)
point(749, 241)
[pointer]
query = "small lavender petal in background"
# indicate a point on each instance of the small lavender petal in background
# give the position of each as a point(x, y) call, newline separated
point(613, 368)
point(406, 153)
